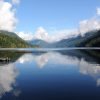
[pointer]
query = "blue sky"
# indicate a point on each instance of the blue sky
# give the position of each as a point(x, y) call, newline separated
point(49, 20)
point(54, 14)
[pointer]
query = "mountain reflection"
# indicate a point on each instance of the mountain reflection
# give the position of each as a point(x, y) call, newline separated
point(87, 65)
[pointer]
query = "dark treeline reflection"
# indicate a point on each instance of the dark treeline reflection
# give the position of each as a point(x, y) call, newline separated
point(92, 56)
point(87, 63)
point(9, 56)
point(87, 55)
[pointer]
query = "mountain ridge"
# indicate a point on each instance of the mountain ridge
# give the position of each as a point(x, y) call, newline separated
point(79, 41)
point(11, 40)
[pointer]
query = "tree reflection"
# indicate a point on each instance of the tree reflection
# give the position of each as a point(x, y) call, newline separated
point(85, 61)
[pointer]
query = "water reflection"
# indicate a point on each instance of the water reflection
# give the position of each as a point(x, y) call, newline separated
point(87, 63)
point(8, 74)
point(86, 67)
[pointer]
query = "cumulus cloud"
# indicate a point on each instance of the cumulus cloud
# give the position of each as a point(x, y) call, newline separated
point(15, 1)
point(8, 22)
point(89, 25)
point(7, 16)
point(25, 36)
point(84, 27)
point(98, 11)
point(41, 34)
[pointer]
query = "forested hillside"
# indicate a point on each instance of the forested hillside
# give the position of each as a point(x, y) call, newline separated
point(93, 41)
point(11, 40)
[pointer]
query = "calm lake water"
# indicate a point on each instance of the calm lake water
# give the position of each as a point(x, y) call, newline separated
point(50, 75)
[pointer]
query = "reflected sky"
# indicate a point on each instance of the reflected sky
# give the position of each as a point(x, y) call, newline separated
point(31, 66)
point(84, 67)
point(8, 74)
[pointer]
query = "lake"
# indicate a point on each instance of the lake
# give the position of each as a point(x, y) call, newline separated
point(65, 74)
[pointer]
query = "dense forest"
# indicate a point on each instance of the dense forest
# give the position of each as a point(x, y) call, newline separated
point(11, 40)
point(92, 41)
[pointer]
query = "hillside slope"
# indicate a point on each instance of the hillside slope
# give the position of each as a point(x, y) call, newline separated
point(93, 41)
point(11, 40)
point(90, 39)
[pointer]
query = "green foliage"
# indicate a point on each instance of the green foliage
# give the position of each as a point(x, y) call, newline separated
point(93, 41)
point(11, 40)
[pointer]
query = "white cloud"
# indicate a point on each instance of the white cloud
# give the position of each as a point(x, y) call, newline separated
point(65, 34)
point(15, 1)
point(89, 25)
point(41, 34)
point(7, 16)
point(98, 11)
point(8, 22)
point(84, 27)
point(25, 36)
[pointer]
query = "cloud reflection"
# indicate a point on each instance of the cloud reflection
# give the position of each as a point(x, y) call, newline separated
point(85, 67)
point(8, 74)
